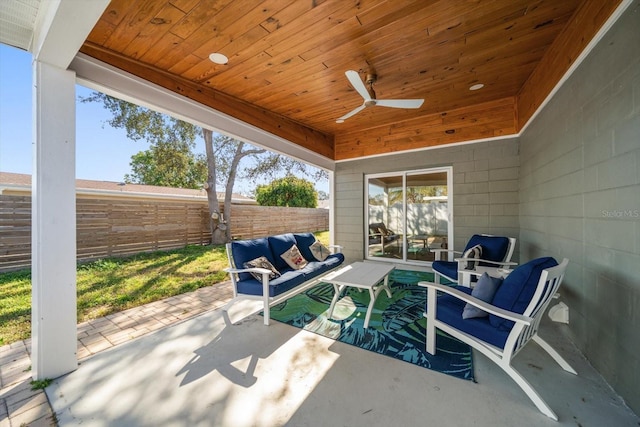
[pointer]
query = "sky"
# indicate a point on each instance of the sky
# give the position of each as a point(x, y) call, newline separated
point(102, 152)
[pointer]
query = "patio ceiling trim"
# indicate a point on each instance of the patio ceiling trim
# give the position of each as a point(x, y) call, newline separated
point(102, 77)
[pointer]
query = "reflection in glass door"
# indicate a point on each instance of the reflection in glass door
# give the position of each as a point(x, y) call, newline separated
point(408, 214)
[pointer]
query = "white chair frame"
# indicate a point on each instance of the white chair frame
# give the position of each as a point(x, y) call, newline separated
point(268, 301)
point(524, 330)
point(500, 269)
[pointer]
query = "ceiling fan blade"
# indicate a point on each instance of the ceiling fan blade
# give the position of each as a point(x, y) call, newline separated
point(400, 103)
point(351, 113)
point(358, 84)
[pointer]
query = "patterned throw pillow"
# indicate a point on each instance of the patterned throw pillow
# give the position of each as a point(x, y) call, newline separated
point(319, 251)
point(472, 252)
point(261, 262)
point(294, 258)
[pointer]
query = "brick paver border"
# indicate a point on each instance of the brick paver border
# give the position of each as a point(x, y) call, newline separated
point(20, 406)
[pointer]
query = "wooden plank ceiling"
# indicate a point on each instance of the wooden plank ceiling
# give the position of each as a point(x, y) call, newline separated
point(287, 62)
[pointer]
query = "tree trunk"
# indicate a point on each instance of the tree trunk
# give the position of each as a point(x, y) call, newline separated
point(216, 221)
point(231, 182)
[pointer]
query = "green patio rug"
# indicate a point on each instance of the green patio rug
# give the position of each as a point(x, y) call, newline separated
point(396, 328)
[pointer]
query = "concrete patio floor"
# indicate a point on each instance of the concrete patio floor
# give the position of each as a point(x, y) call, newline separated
point(230, 370)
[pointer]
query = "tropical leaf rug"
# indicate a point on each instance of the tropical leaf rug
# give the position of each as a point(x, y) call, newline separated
point(396, 328)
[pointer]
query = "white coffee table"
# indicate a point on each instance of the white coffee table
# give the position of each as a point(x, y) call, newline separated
point(361, 275)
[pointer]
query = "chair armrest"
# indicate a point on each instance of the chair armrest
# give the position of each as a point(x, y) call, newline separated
point(258, 270)
point(505, 314)
point(496, 263)
point(336, 248)
point(440, 250)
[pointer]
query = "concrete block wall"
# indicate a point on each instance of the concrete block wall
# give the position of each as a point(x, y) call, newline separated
point(580, 199)
point(485, 190)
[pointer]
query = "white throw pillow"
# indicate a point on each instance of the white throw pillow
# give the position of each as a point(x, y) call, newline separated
point(294, 258)
point(319, 251)
point(472, 252)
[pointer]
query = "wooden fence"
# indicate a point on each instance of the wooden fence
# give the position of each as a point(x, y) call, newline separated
point(119, 227)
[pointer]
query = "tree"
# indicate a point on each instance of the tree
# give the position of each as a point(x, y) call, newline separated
point(170, 160)
point(289, 191)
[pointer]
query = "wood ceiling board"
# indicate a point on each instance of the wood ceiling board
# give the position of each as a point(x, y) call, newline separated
point(151, 35)
point(480, 121)
point(287, 58)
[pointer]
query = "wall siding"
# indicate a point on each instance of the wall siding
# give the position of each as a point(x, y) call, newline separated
point(485, 190)
point(580, 199)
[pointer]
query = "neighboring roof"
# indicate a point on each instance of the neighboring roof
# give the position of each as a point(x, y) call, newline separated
point(12, 183)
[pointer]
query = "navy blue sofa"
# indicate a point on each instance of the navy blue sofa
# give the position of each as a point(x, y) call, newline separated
point(273, 290)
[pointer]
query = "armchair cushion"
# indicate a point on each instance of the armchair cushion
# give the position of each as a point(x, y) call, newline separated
point(449, 311)
point(448, 269)
point(517, 290)
point(494, 248)
point(485, 289)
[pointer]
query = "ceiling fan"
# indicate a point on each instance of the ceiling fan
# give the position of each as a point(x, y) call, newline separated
point(369, 96)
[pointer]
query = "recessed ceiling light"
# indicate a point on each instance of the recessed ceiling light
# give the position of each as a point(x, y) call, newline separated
point(476, 86)
point(218, 58)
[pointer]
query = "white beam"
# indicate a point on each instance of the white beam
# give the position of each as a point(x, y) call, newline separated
point(53, 242)
point(61, 27)
point(104, 78)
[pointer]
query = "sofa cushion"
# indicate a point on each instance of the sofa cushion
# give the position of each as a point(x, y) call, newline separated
point(247, 250)
point(294, 258)
point(518, 288)
point(280, 244)
point(287, 281)
point(315, 268)
point(304, 242)
point(449, 311)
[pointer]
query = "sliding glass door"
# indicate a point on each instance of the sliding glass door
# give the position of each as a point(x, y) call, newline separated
point(407, 214)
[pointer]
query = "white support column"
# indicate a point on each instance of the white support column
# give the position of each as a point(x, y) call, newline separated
point(332, 207)
point(53, 264)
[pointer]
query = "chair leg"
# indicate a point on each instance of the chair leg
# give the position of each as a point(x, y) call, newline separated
point(431, 321)
point(529, 391)
point(266, 310)
point(436, 277)
point(553, 353)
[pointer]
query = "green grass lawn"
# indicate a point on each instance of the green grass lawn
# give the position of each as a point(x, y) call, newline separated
point(116, 284)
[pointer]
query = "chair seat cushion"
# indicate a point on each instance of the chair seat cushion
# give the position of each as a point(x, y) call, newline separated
point(290, 278)
point(518, 288)
point(449, 311)
point(449, 269)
